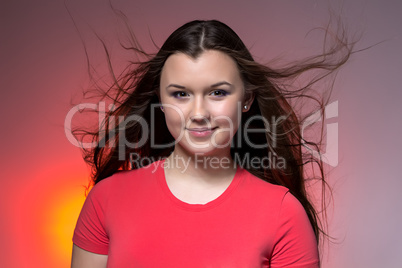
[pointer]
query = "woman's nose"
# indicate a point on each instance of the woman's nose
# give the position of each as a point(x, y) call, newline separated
point(199, 110)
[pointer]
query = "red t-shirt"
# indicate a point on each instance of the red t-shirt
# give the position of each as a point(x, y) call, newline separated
point(135, 219)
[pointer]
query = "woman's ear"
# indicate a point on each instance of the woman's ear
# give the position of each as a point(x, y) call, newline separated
point(248, 102)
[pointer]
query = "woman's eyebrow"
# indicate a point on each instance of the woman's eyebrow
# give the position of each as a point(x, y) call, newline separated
point(222, 83)
point(176, 86)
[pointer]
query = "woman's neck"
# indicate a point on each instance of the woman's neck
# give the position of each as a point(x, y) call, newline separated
point(198, 179)
point(201, 165)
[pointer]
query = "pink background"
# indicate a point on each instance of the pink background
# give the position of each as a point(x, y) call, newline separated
point(42, 69)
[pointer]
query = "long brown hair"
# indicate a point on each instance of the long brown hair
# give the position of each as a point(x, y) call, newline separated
point(136, 89)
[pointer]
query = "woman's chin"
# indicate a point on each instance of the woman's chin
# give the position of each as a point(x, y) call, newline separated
point(204, 149)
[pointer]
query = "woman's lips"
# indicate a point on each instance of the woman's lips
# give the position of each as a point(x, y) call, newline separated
point(201, 132)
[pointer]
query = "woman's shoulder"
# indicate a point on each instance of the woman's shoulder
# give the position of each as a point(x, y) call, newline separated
point(128, 179)
point(259, 185)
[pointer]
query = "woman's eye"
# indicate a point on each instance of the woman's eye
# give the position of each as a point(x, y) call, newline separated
point(219, 93)
point(180, 94)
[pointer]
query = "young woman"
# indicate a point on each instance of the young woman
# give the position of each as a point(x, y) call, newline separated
point(201, 161)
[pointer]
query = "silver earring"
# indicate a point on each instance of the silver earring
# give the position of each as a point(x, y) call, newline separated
point(245, 107)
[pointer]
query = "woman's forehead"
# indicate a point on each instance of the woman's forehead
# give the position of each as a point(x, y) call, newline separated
point(210, 65)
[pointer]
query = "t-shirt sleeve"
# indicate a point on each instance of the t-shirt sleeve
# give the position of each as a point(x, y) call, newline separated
point(295, 242)
point(90, 233)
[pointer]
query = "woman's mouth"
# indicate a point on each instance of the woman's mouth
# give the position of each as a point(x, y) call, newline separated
point(201, 132)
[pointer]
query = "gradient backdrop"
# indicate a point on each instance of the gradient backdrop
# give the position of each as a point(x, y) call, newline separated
point(43, 68)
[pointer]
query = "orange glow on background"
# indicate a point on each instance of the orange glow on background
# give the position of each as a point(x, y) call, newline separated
point(62, 211)
point(45, 218)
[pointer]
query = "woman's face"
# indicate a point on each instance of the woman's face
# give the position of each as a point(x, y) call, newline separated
point(202, 101)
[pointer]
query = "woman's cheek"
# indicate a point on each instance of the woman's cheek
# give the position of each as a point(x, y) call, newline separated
point(174, 122)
